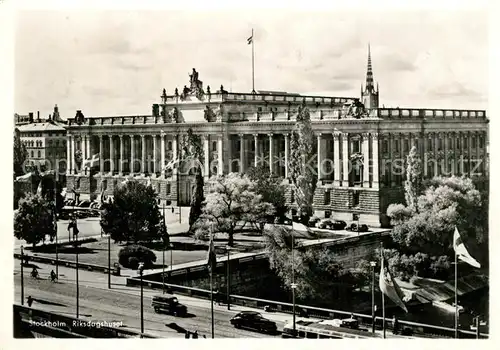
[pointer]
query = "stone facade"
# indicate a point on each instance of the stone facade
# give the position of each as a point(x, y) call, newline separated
point(360, 152)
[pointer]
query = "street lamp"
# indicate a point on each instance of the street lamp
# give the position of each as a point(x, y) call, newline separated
point(141, 268)
point(228, 279)
point(22, 275)
point(109, 261)
point(75, 237)
point(294, 285)
point(372, 264)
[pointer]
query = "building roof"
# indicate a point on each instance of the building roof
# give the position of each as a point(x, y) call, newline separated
point(43, 126)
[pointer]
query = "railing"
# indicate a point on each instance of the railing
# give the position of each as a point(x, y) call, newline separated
point(72, 325)
point(429, 113)
point(420, 329)
point(62, 262)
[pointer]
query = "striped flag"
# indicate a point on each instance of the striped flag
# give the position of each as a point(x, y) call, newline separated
point(92, 162)
point(389, 287)
point(148, 183)
point(250, 40)
point(39, 189)
point(461, 250)
point(211, 257)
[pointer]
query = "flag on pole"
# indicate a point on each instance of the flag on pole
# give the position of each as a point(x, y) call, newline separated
point(211, 257)
point(250, 40)
point(39, 189)
point(148, 183)
point(389, 287)
point(172, 164)
point(92, 162)
point(461, 250)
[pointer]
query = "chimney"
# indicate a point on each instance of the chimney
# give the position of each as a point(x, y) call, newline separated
point(30, 118)
point(38, 115)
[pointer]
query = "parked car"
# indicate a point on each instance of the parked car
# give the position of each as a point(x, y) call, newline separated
point(168, 304)
point(324, 224)
point(253, 320)
point(355, 228)
point(84, 204)
point(339, 225)
point(313, 221)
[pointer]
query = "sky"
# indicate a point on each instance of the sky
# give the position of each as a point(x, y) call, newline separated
point(112, 62)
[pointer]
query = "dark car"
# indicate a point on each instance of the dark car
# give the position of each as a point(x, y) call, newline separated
point(313, 221)
point(168, 304)
point(339, 225)
point(357, 228)
point(253, 320)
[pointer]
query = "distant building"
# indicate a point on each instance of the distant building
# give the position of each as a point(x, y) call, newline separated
point(45, 141)
point(360, 148)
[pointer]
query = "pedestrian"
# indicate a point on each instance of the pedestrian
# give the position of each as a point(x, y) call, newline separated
point(186, 335)
point(30, 300)
point(395, 325)
point(216, 297)
point(204, 336)
point(195, 334)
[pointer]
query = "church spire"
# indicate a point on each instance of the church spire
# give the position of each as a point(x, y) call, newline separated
point(369, 72)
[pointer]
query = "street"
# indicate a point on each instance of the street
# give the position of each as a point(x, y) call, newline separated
point(122, 304)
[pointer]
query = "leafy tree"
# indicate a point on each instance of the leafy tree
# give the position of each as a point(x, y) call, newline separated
point(270, 188)
point(20, 154)
point(130, 256)
point(413, 183)
point(232, 199)
point(34, 219)
point(428, 229)
point(302, 171)
point(133, 215)
point(316, 272)
point(197, 200)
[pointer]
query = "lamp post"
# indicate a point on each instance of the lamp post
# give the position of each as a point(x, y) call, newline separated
point(228, 279)
point(294, 285)
point(22, 275)
point(109, 261)
point(77, 281)
point(372, 264)
point(141, 268)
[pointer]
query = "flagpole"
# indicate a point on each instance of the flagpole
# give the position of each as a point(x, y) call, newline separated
point(211, 289)
point(253, 66)
point(456, 301)
point(383, 297)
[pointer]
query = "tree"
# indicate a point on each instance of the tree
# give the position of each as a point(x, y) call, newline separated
point(318, 275)
point(20, 154)
point(413, 183)
point(232, 199)
point(34, 219)
point(301, 169)
point(197, 200)
point(444, 204)
point(270, 188)
point(133, 215)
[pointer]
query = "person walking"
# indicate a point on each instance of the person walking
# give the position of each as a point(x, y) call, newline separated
point(30, 300)
point(395, 325)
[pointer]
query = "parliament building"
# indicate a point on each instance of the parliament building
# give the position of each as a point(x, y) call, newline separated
point(360, 158)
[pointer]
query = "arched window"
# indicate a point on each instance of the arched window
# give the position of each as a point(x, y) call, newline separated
point(32, 154)
point(39, 154)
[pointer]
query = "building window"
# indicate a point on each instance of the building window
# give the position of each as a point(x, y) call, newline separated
point(396, 146)
point(327, 198)
point(39, 154)
point(169, 145)
point(355, 198)
point(473, 142)
point(292, 196)
point(459, 143)
point(259, 109)
point(385, 146)
point(167, 189)
point(481, 142)
point(214, 146)
point(355, 146)
point(440, 144)
point(32, 154)
point(466, 142)
point(406, 145)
